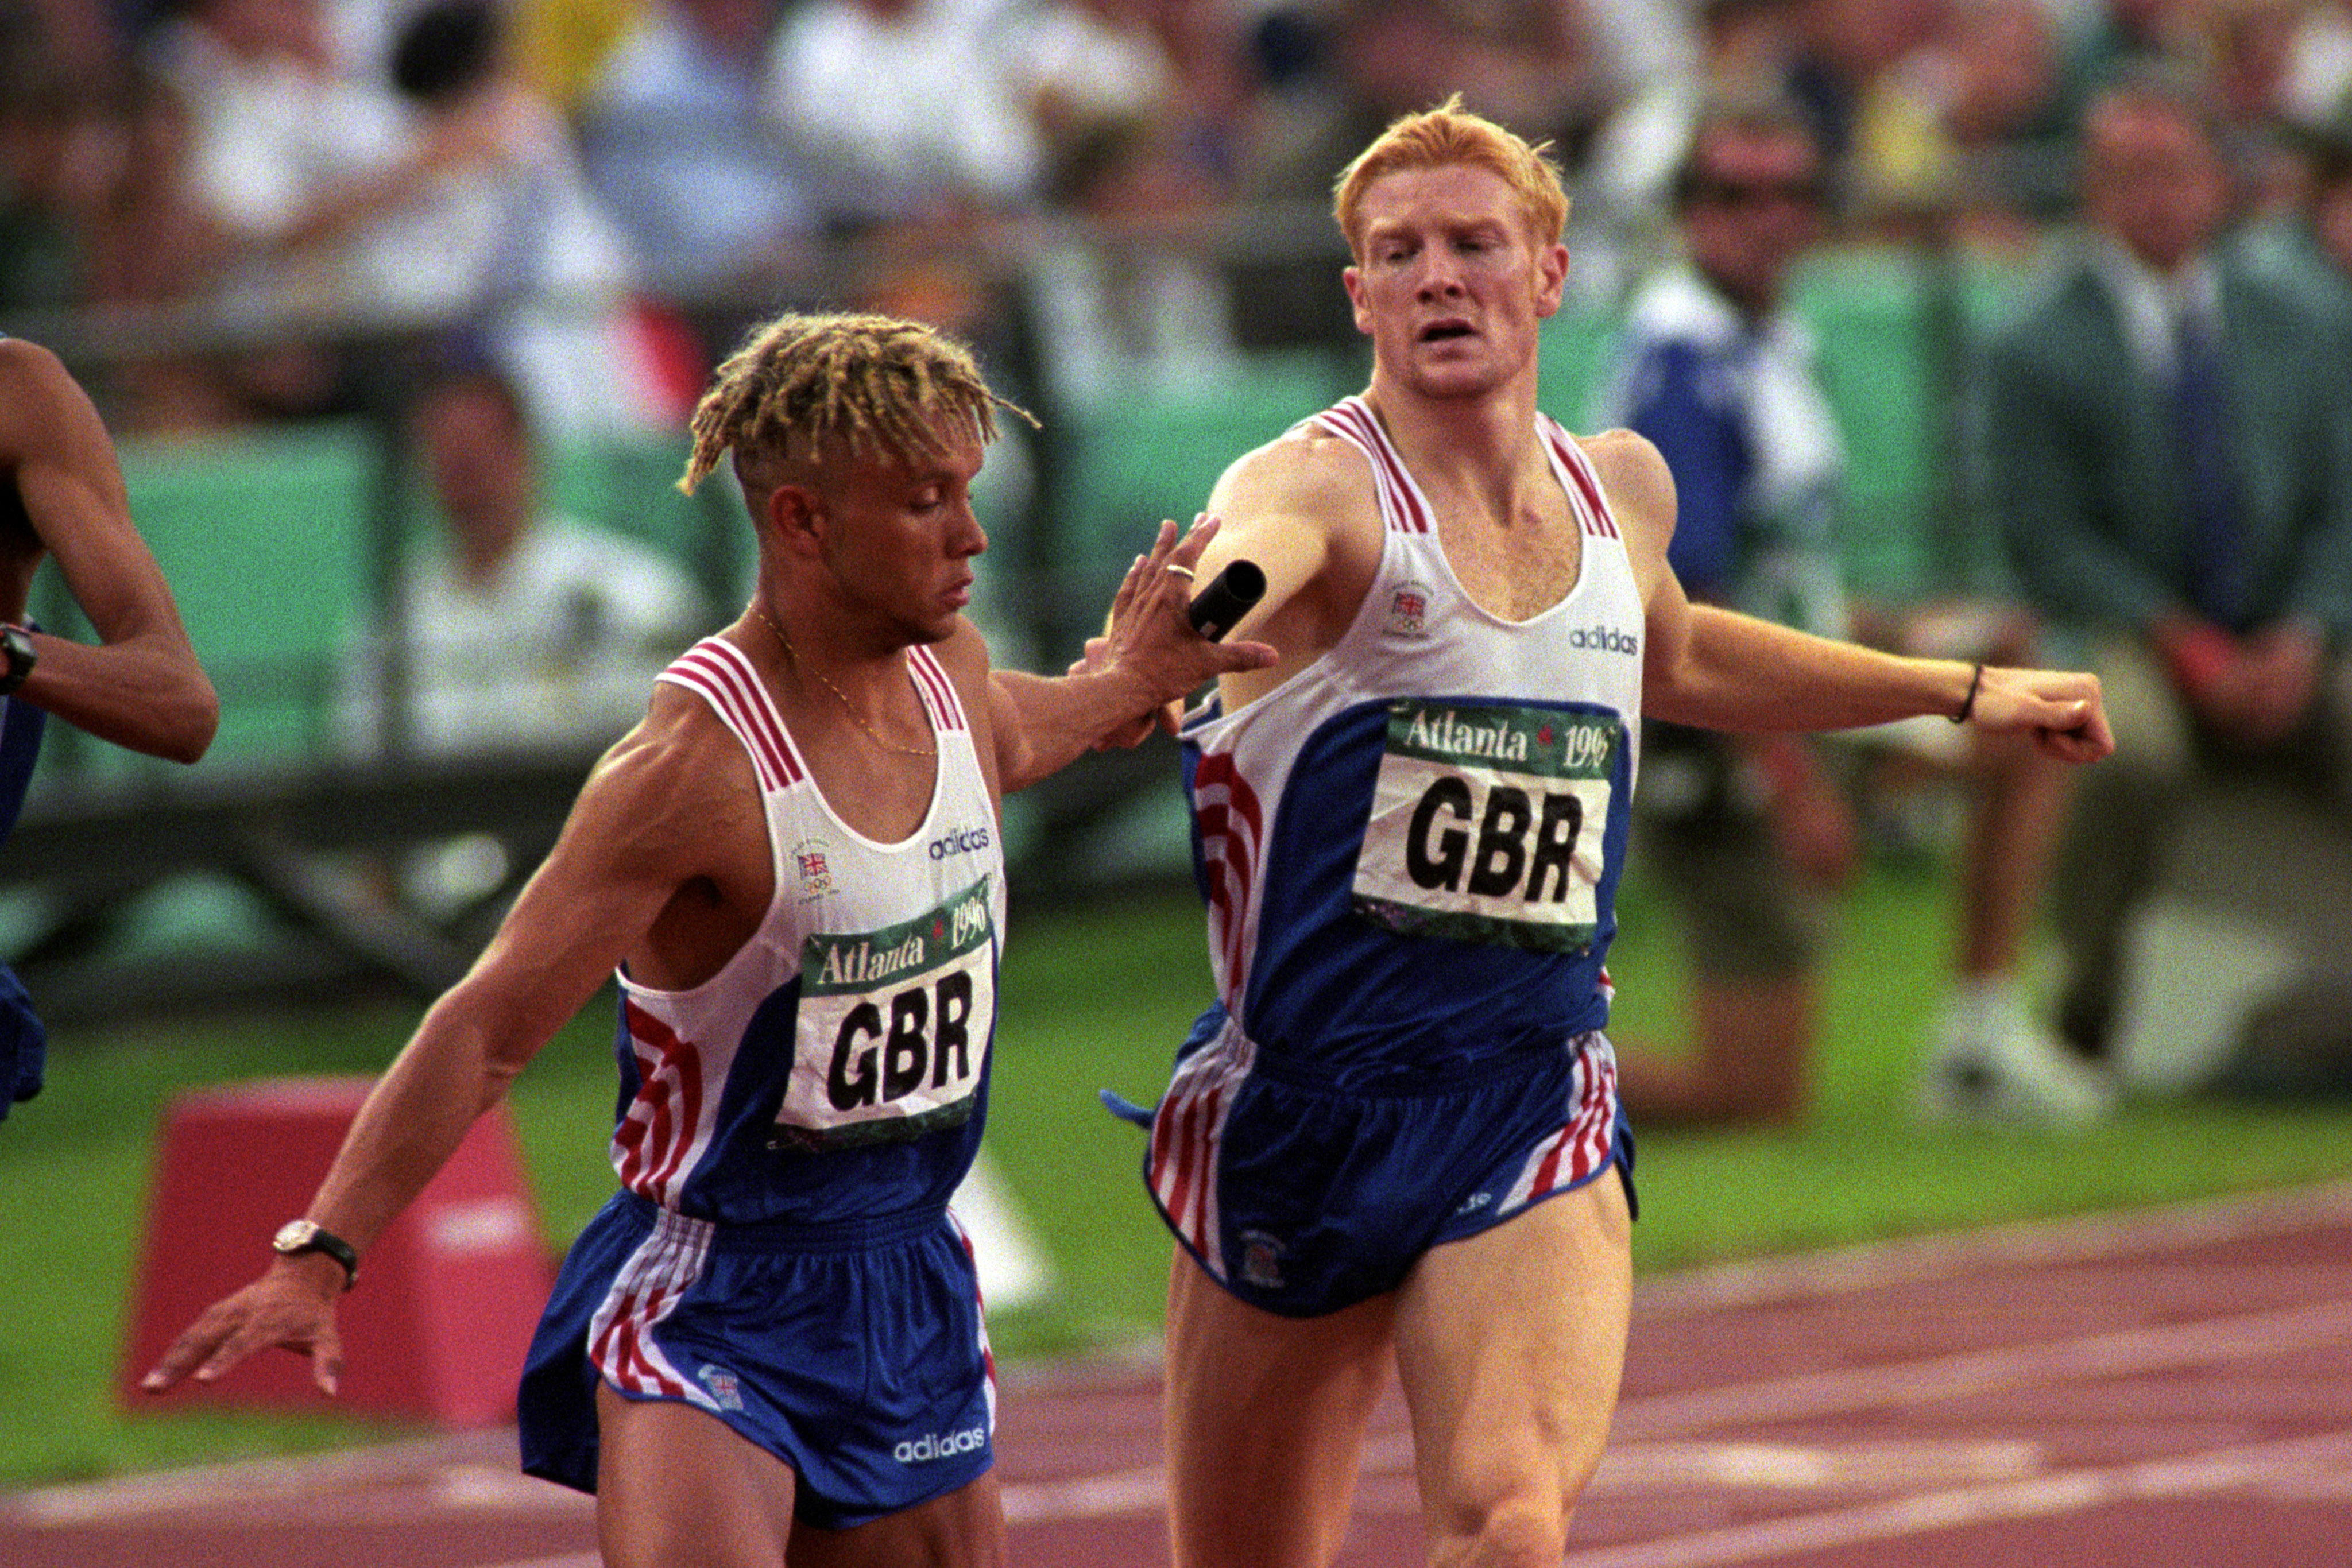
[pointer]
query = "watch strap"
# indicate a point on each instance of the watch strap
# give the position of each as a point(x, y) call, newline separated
point(302, 1235)
point(16, 644)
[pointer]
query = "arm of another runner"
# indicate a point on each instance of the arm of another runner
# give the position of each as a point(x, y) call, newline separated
point(142, 687)
point(636, 836)
point(1150, 655)
point(1718, 669)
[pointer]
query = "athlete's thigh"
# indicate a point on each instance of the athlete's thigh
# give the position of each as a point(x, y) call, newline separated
point(1510, 1346)
point(677, 1487)
point(964, 1528)
point(1265, 1423)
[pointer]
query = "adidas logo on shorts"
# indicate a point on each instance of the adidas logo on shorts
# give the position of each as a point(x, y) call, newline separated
point(940, 1446)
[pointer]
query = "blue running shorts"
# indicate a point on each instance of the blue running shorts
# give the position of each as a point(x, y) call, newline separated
point(1302, 1196)
point(24, 1043)
point(854, 1353)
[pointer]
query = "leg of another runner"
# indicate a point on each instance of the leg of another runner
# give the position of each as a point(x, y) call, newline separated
point(675, 1485)
point(1266, 1424)
point(1510, 1345)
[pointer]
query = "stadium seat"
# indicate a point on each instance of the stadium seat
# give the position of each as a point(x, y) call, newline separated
point(1131, 460)
point(266, 537)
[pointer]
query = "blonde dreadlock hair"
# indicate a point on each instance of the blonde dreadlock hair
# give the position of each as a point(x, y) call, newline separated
point(874, 384)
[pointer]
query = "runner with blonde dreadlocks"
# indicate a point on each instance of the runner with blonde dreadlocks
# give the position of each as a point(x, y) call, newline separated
point(768, 1346)
point(870, 382)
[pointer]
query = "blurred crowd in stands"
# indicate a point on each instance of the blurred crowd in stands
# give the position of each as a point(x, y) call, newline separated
point(408, 159)
point(1122, 196)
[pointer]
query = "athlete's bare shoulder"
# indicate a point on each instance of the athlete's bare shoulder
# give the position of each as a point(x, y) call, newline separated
point(963, 654)
point(675, 790)
point(1305, 472)
point(1641, 486)
point(43, 410)
point(25, 365)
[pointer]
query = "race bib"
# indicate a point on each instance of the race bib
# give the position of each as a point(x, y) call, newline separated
point(1487, 825)
point(893, 1027)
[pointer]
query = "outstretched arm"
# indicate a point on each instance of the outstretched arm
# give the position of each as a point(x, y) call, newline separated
point(1718, 669)
point(638, 832)
point(141, 686)
point(1149, 656)
point(1738, 672)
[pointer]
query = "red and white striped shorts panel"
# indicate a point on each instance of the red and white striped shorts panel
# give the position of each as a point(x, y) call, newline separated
point(1187, 1133)
point(657, 1276)
point(1584, 1143)
point(987, 1354)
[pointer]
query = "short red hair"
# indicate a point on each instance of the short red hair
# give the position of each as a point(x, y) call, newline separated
point(1448, 135)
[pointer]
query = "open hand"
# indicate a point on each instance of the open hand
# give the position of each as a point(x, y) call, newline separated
point(1148, 634)
point(284, 1307)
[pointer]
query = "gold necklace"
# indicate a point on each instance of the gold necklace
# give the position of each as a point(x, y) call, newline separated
point(847, 706)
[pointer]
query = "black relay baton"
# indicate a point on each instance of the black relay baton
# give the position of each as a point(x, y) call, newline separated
point(1227, 599)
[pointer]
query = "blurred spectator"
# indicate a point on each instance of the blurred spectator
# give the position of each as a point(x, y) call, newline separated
point(2327, 201)
point(1736, 47)
point(2246, 50)
point(2167, 447)
point(1845, 51)
point(2309, 245)
point(1969, 128)
point(2319, 67)
point(59, 158)
point(561, 44)
point(1748, 832)
point(2120, 35)
point(290, 162)
point(679, 140)
point(1550, 69)
point(518, 236)
point(452, 189)
point(521, 628)
point(1132, 300)
point(910, 106)
point(94, 206)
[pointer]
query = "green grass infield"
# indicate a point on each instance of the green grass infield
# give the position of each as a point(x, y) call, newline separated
point(1093, 998)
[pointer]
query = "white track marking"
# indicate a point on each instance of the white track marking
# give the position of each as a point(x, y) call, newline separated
point(1143, 1489)
point(1655, 1433)
point(2255, 1468)
point(1949, 1255)
point(246, 1481)
point(2125, 1352)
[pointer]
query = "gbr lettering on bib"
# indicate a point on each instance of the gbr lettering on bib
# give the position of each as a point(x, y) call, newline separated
point(893, 1027)
point(1487, 824)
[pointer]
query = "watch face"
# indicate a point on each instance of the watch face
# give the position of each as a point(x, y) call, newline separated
point(292, 1234)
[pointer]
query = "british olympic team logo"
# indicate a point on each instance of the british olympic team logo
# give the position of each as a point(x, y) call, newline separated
point(726, 1389)
point(816, 876)
point(1262, 1258)
point(1409, 611)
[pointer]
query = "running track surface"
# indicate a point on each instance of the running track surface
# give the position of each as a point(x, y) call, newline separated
point(2166, 1389)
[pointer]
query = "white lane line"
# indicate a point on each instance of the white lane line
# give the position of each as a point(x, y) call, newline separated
point(1870, 1464)
point(1143, 1489)
point(1806, 1395)
point(1925, 1258)
point(1848, 1390)
point(1828, 1274)
point(2259, 1468)
point(246, 1480)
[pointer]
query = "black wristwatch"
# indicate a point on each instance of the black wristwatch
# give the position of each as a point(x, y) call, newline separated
point(298, 1236)
point(16, 644)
